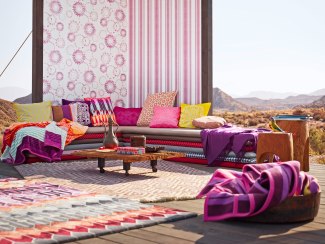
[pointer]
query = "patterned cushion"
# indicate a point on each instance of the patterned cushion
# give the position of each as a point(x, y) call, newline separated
point(34, 112)
point(162, 99)
point(191, 112)
point(165, 117)
point(127, 116)
point(209, 122)
point(100, 110)
point(78, 112)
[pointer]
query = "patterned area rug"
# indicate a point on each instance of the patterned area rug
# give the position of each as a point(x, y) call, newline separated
point(171, 182)
point(34, 212)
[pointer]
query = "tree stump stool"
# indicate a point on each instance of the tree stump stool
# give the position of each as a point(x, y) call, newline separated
point(300, 132)
point(271, 144)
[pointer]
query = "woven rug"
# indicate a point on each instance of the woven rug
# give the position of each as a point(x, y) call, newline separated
point(35, 212)
point(172, 181)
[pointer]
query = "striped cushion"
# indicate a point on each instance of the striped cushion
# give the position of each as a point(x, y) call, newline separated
point(100, 110)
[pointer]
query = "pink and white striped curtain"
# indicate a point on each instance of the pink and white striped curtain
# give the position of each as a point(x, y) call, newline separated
point(164, 49)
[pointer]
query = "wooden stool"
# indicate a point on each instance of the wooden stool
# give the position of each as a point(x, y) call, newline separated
point(276, 143)
point(300, 132)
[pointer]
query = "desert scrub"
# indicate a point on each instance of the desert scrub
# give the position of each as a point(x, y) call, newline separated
point(317, 140)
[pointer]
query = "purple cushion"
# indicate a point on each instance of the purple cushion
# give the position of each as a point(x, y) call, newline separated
point(127, 116)
point(67, 102)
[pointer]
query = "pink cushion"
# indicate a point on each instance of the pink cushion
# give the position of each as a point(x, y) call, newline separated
point(165, 117)
point(127, 116)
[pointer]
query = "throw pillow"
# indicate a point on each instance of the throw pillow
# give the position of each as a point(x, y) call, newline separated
point(100, 110)
point(80, 113)
point(60, 112)
point(165, 117)
point(191, 112)
point(127, 116)
point(162, 99)
point(34, 112)
point(209, 122)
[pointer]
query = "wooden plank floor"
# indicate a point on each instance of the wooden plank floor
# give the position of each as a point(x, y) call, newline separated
point(194, 230)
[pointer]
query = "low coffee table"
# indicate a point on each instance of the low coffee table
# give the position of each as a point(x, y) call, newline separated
point(127, 159)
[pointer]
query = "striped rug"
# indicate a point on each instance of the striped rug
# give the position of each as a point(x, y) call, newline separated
point(36, 212)
point(172, 181)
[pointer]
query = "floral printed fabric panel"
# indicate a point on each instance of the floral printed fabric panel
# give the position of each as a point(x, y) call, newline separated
point(85, 50)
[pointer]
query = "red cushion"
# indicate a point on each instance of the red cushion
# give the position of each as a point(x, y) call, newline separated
point(127, 116)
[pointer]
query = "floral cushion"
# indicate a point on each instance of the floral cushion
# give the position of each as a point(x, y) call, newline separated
point(127, 116)
point(162, 99)
point(191, 112)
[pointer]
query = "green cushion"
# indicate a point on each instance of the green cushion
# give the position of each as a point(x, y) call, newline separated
point(34, 112)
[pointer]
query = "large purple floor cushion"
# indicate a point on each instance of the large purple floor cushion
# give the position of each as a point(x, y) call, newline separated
point(258, 187)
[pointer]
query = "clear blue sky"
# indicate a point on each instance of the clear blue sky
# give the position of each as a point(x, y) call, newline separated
point(274, 45)
point(15, 24)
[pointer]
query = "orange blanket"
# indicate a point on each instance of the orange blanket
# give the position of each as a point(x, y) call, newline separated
point(74, 130)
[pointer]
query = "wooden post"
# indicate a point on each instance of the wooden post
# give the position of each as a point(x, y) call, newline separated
point(300, 132)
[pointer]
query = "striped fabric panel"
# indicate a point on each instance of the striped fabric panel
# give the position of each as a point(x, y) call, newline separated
point(171, 143)
point(164, 49)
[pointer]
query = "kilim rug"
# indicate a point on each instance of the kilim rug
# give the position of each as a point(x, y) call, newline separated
point(35, 212)
point(172, 181)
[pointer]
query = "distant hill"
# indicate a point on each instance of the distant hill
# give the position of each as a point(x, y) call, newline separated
point(222, 100)
point(319, 103)
point(24, 100)
point(320, 92)
point(10, 93)
point(287, 103)
point(7, 114)
point(269, 95)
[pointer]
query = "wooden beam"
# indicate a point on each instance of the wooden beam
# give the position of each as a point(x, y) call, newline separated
point(37, 63)
point(206, 43)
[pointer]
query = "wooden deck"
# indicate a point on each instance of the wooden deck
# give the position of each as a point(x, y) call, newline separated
point(194, 230)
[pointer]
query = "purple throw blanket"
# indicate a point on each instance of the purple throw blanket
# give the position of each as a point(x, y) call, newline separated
point(228, 138)
point(258, 187)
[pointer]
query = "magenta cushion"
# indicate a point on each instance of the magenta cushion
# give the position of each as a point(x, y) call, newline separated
point(165, 117)
point(127, 116)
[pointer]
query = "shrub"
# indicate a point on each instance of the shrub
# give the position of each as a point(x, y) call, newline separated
point(317, 140)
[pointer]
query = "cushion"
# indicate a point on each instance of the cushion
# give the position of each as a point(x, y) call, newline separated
point(67, 102)
point(209, 122)
point(127, 116)
point(165, 117)
point(100, 110)
point(191, 112)
point(60, 112)
point(162, 99)
point(34, 112)
point(80, 113)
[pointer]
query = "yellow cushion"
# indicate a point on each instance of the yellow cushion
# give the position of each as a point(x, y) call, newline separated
point(191, 112)
point(34, 112)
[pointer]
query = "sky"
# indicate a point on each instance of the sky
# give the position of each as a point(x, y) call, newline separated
point(273, 45)
point(15, 25)
point(276, 45)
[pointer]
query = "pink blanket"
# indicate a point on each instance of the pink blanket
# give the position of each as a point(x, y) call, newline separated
point(258, 187)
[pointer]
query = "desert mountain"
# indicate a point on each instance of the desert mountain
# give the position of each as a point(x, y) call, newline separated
point(320, 92)
point(319, 103)
point(10, 93)
point(24, 100)
point(7, 114)
point(222, 100)
point(287, 103)
point(269, 95)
